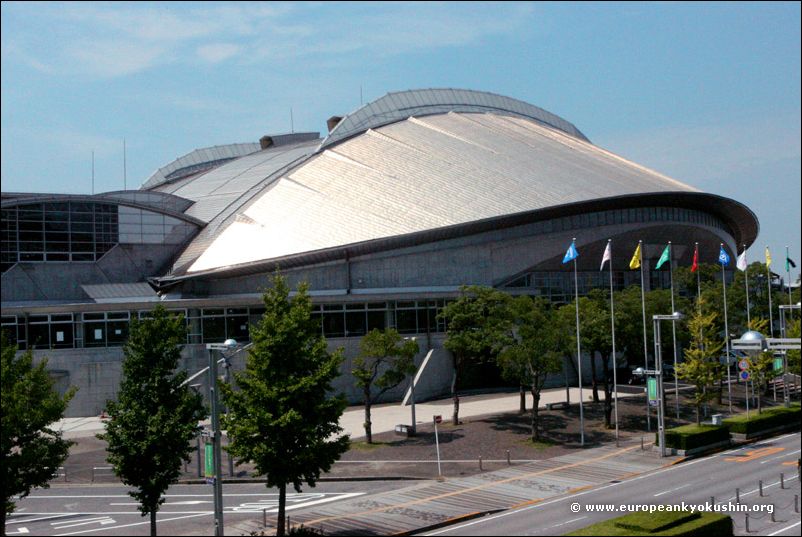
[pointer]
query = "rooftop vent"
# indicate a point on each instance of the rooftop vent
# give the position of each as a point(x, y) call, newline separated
point(265, 142)
point(332, 122)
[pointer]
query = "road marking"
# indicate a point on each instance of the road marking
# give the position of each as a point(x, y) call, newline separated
point(135, 524)
point(756, 454)
point(568, 522)
point(795, 524)
point(672, 490)
point(790, 463)
point(27, 520)
point(782, 457)
point(101, 520)
point(757, 489)
point(71, 521)
point(19, 531)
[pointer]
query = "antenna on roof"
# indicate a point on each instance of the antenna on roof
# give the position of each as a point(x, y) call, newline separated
point(360, 95)
point(125, 178)
point(292, 123)
point(93, 172)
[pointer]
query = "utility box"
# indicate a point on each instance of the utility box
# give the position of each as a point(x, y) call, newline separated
point(404, 430)
point(716, 419)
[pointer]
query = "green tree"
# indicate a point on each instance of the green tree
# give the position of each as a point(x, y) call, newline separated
point(761, 367)
point(385, 359)
point(534, 351)
point(793, 356)
point(701, 366)
point(478, 328)
point(154, 417)
point(282, 418)
point(31, 449)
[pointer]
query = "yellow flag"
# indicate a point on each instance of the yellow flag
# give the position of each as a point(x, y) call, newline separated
point(768, 257)
point(635, 262)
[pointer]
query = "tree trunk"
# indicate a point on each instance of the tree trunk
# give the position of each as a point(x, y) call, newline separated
point(455, 415)
point(535, 405)
point(367, 424)
point(720, 389)
point(282, 501)
point(593, 381)
point(3, 520)
point(153, 523)
point(522, 395)
point(698, 414)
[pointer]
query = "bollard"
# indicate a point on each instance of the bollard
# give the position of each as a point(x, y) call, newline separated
point(712, 502)
point(737, 495)
point(772, 514)
point(641, 443)
point(264, 518)
point(782, 481)
point(288, 524)
point(760, 486)
point(796, 503)
point(747, 522)
point(509, 463)
point(480, 463)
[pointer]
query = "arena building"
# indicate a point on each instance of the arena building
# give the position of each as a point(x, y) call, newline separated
point(402, 202)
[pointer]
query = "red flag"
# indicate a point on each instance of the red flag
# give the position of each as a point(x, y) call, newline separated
point(695, 265)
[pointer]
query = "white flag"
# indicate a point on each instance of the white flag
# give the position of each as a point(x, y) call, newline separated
point(606, 257)
point(741, 264)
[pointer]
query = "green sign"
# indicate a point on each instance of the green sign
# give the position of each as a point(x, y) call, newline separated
point(209, 460)
point(778, 364)
point(651, 388)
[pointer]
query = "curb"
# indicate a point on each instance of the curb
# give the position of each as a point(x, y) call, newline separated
point(202, 481)
point(451, 521)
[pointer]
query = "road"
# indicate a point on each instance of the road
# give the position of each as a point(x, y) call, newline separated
point(109, 510)
point(692, 482)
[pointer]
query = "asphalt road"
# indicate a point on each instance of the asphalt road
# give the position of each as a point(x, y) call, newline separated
point(692, 482)
point(109, 510)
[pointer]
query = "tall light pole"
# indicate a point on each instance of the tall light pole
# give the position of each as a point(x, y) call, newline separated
point(658, 372)
point(228, 345)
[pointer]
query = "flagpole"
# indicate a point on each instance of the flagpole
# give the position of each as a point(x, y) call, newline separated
point(726, 335)
point(579, 356)
point(612, 327)
point(768, 275)
point(788, 271)
point(673, 324)
point(645, 351)
point(746, 286)
point(698, 279)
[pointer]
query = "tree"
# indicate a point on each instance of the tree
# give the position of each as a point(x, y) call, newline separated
point(761, 368)
point(477, 330)
point(534, 351)
point(154, 417)
point(793, 356)
point(31, 449)
point(701, 366)
point(282, 418)
point(385, 359)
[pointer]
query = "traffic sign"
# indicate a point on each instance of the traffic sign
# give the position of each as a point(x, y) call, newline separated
point(209, 460)
point(651, 388)
point(745, 375)
point(438, 419)
point(778, 364)
point(743, 364)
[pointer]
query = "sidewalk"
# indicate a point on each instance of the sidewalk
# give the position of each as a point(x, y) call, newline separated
point(386, 416)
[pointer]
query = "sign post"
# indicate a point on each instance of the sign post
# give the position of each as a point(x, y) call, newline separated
point(745, 376)
point(651, 389)
point(437, 419)
point(208, 458)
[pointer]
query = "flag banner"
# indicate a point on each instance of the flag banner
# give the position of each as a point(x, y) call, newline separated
point(788, 264)
point(606, 257)
point(571, 253)
point(635, 261)
point(663, 258)
point(768, 257)
point(723, 257)
point(741, 264)
point(695, 265)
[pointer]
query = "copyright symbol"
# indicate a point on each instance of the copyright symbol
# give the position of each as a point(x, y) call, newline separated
point(575, 507)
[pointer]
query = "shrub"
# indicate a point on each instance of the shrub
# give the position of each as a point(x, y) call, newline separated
point(768, 419)
point(693, 436)
point(678, 524)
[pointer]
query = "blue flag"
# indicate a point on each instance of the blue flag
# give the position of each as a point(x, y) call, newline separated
point(723, 258)
point(570, 254)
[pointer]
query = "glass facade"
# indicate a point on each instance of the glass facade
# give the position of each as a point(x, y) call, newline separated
point(60, 231)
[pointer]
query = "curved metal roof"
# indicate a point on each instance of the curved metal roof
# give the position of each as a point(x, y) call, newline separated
point(397, 106)
point(198, 160)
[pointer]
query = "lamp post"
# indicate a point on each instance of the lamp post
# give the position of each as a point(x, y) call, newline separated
point(228, 345)
point(658, 372)
point(412, 394)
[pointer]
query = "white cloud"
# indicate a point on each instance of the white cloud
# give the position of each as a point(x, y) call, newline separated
point(217, 52)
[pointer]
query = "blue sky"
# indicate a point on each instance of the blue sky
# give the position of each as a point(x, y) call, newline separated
point(708, 93)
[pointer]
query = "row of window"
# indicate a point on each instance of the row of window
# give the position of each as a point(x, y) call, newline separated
point(58, 231)
point(215, 325)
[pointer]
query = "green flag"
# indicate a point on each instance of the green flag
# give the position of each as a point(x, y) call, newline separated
point(664, 257)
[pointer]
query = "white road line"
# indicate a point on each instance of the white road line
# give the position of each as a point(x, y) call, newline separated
point(568, 521)
point(103, 521)
point(168, 496)
point(758, 489)
point(135, 524)
point(781, 456)
point(795, 524)
point(26, 520)
point(72, 521)
point(672, 490)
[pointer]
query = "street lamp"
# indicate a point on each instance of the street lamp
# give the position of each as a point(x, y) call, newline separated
point(228, 345)
point(412, 393)
point(658, 372)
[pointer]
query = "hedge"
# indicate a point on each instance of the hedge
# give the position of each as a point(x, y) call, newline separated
point(680, 524)
point(694, 436)
point(768, 419)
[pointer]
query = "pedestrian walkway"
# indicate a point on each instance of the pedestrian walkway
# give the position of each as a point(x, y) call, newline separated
point(433, 503)
point(386, 416)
